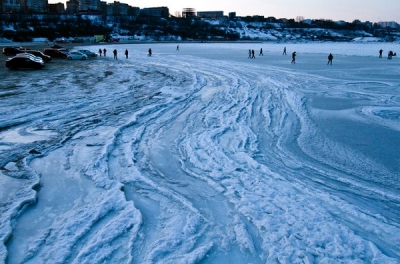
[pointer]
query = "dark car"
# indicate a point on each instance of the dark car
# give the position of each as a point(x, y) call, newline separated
point(12, 50)
point(46, 58)
point(56, 53)
point(16, 63)
point(55, 46)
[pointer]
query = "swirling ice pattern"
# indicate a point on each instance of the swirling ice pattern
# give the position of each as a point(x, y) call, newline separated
point(171, 161)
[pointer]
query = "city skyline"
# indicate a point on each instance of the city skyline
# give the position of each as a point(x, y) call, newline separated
point(347, 10)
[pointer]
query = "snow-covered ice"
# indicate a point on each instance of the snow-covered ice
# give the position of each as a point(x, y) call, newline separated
point(203, 155)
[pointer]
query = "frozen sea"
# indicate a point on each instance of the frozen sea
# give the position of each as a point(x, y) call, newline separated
point(203, 155)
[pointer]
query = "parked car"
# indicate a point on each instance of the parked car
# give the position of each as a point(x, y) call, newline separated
point(33, 57)
point(56, 53)
point(76, 55)
point(46, 58)
point(61, 41)
point(24, 49)
point(12, 51)
point(78, 40)
point(55, 46)
point(18, 62)
point(88, 53)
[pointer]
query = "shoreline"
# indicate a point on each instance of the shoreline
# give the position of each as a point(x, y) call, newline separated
point(71, 45)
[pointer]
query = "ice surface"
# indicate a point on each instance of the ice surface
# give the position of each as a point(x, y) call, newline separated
point(203, 155)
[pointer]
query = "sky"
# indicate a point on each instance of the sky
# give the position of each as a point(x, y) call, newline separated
point(347, 10)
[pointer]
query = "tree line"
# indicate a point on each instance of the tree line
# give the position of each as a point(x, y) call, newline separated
point(25, 27)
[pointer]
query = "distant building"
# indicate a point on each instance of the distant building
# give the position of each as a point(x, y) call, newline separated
point(133, 11)
point(307, 21)
point(188, 12)
point(210, 14)
point(155, 11)
point(117, 9)
point(258, 18)
point(341, 22)
point(89, 5)
point(232, 15)
point(56, 8)
point(38, 6)
point(72, 6)
point(103, 7)
point(11, 6)
point(390, 24)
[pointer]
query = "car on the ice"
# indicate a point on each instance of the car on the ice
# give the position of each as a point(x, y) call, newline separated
point(18, 62)
point(46, 58)
point(55, 46)
point(33, 57)
point(12, 51)
point(56, 53)
point(76, 55)
point(88, 53)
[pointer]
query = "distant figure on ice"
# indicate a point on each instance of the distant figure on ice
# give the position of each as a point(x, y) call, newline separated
point(330, 58)
point(391, 54)
point(115, 54)
point(380, 53)
point(249, 54)
point(177, 47)
point(252, 54)
point(284, 51)
point(126, 53)
point(100, 52)
point(150, 52)
point(293, 57)
point(104, 51)
point(261, 53)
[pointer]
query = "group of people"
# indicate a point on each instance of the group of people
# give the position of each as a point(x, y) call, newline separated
point(115, 53)
point(330, 57)
point(293, 55)
point(104, 51)
point(251, 54)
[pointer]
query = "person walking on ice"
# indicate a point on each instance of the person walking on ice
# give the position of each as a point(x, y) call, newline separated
point(104, 52)
point(126, 53)
point(284, 51)
point(330, 58)
point(100, 52)
point(380, 53)
point(261, 53)
point(391, 54)
point(115, 54)
point(150, 52)
point(293, 57)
